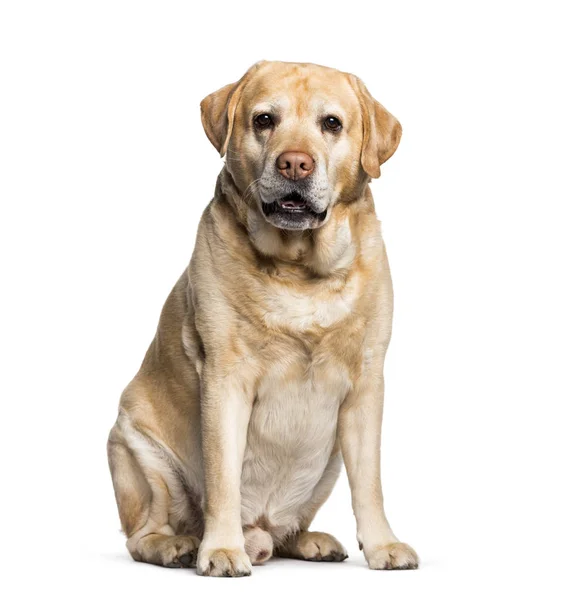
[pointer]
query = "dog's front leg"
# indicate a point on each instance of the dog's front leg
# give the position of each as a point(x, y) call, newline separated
point(360, 422)
point(225, 411)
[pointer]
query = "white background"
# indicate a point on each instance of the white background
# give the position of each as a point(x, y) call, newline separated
point(104, 172)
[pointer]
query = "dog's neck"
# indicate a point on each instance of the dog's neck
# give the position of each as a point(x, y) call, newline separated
point(325, 251)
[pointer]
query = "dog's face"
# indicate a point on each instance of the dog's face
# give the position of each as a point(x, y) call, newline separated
point(299, 138)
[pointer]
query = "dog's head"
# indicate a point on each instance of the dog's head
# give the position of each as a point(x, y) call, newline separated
point(298, 138)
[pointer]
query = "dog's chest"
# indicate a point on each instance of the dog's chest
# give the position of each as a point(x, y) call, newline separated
point(308, 363)
point(291, 434)
point(303, 309)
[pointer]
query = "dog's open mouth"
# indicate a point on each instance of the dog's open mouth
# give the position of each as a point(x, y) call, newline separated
point(292, 206)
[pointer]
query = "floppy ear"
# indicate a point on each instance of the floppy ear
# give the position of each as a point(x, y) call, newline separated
point(218, 109)
point(217, 115)
point(381, 131)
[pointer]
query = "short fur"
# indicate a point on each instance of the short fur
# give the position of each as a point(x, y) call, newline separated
point(267, 365)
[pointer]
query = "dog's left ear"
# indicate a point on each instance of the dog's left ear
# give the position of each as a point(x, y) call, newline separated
point(218, 109)
point(381, 131)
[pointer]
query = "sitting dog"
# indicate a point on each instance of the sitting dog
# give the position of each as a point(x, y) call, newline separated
point(266, 370)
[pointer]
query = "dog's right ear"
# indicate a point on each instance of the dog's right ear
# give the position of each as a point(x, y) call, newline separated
point(218, 110)
point(217, 115)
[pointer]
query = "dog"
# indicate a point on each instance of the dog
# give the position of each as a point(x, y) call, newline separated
point(266, 370)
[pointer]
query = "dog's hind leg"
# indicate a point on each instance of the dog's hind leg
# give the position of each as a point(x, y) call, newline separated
point(148, 492)
point(314, 545)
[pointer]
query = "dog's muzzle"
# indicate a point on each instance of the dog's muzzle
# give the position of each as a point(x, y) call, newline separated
point(292, 208)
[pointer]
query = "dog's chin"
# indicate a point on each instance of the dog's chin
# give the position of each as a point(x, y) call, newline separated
point(293, 212)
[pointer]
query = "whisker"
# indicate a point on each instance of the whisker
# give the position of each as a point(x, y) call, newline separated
point(249, 190)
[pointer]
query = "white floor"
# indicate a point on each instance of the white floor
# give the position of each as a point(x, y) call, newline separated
point(108, 572)
point(459, 561)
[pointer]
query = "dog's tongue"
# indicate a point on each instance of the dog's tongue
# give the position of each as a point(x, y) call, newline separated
point(292, 203)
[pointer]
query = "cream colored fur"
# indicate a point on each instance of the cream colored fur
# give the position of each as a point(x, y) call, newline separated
point(267, 366)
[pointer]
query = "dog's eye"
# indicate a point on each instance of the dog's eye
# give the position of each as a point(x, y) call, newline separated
point(332, 123)
point(263, 121)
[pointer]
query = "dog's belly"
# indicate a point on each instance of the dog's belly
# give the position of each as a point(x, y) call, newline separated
point(290, 439)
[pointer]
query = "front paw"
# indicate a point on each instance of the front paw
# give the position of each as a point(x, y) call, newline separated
point(392, 556)
point(223, 562)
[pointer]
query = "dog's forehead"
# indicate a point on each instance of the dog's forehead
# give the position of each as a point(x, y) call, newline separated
point(299, 86)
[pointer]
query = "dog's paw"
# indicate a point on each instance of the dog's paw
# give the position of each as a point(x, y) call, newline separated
point(314, 546)
point(181, 551)
point(173, 551)
point(397, 556)
point(223, 562)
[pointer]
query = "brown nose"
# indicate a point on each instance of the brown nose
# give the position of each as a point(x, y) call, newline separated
point(295, 165)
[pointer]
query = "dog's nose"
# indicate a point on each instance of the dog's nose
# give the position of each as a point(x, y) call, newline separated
point(295, 165)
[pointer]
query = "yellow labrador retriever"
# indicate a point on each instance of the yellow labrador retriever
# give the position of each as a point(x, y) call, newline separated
point(267, 365)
